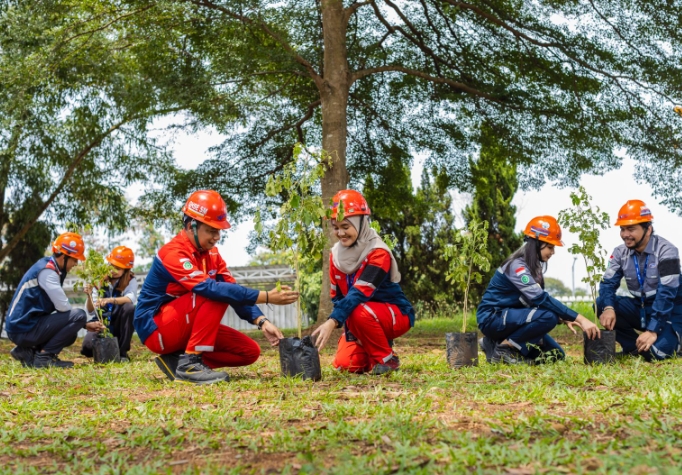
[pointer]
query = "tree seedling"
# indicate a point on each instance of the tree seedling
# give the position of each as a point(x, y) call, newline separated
point(467, 258)
point(94, 271)
point(587, 221)
point(298, 230)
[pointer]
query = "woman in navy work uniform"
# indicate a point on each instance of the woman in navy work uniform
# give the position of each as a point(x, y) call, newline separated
point(118, 302)
point(516, 314)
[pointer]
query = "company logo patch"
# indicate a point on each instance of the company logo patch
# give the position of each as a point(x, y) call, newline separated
point(221, 217)
point(212, 272)
point(525, 279)
point(644, 212)
point(544, 224)
point(187, 265)
point(197, 208)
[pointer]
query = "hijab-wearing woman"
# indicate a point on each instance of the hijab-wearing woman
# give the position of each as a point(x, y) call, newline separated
point(117, 303)
point(516, 314)
point(365, 290)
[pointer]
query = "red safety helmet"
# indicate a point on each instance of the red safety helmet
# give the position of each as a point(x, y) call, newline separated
point(122, 257)
point(70, 244)
point(354, 204)
point(208, 207)
point(544, 228)
point(633, 212)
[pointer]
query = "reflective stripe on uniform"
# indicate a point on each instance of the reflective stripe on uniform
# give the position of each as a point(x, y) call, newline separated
point(530, 315)
point(28, 285)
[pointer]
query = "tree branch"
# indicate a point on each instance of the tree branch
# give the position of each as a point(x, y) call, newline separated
point(77, 160)
point(421, 74)
point(266, 29)
point(353, 8)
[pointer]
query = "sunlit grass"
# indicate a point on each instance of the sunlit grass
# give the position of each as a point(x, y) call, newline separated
point(427, 418)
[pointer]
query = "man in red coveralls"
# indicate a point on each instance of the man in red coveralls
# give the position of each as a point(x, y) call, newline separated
point(186, 293)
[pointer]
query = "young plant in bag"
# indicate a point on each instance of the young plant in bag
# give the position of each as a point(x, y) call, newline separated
point(94, 272)
point(467, 258)
point(587, 222)
point(298, 229)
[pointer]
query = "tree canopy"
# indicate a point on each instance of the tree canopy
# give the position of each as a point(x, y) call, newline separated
point(74, 115)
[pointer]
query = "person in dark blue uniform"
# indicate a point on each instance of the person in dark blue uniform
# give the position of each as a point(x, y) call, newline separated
point(516, 314)
point(650, 266)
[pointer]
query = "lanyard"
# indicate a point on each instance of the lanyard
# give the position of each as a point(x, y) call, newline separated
point(641, 278)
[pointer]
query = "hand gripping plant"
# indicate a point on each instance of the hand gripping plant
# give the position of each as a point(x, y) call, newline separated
point(93, 272)
point(466, 257)
point(299, 235)
point(587, 221)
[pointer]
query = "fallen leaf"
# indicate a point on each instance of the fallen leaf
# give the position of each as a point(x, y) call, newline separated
point(386, 440)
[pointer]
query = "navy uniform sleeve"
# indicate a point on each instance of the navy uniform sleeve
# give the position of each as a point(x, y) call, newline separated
point(612, 277)
point(246, 312)
point(668, 283)
point(533, 294)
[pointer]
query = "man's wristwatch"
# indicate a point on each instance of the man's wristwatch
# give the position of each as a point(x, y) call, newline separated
point(260, 324)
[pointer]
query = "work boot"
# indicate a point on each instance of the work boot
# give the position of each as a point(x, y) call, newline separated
point(49, 360)
point(389, 366)
point(168, 364)
point(192, 369)
point(488, 347)
point(23, 354)
point(507, 354)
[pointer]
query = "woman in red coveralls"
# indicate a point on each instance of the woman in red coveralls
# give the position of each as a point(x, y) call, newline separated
point(365, 290)
point(185, 296)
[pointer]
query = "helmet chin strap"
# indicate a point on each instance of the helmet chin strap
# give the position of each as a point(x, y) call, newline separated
point(66, 261)
point(194, 226)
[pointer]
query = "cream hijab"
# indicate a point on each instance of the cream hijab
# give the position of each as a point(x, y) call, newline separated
point(349, 259)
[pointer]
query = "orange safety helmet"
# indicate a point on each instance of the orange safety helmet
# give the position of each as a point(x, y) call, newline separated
point(354, 204)
point(633, 212)
point(70, 244)
point(121, 257)
point(208, 207)
point(544, 228)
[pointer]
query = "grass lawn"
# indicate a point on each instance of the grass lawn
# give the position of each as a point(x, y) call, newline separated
point(427, 418)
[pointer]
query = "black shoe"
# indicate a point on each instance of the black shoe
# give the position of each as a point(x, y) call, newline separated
point(168, 364)
point(508, 355)
point(192, 369)
point(388, 367)
point(488, 347)
point(48, 360)
point(23, 354)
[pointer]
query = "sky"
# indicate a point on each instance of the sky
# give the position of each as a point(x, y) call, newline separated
point(609, 192)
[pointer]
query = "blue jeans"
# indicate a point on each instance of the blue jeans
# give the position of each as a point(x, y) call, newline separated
point(525, 328)
point(628, 322)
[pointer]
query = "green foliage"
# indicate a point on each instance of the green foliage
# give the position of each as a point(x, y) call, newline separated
point(562, 84)
point(74, 113)
point(94, 272)
point(467, 258)
point(587, 221)
point(297, 232)
point(556, 288)
point(421, 222)
point(494, 182)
